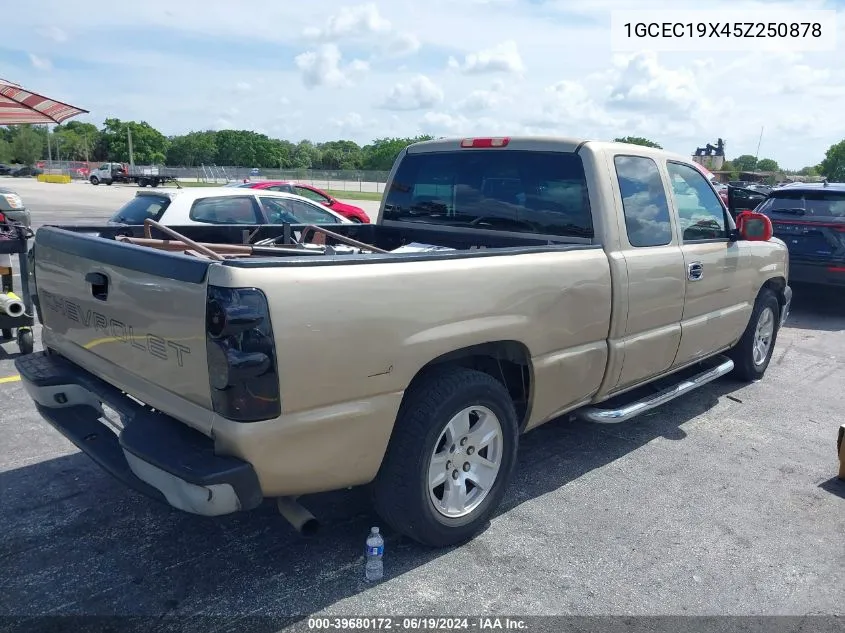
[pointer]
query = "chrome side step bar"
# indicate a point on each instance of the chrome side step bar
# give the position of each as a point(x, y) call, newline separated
point(623, 414)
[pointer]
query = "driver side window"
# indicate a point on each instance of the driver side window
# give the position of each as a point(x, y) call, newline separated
point(701, 214)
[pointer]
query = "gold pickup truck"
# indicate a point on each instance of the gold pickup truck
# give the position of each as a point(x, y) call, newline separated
point(506, 282)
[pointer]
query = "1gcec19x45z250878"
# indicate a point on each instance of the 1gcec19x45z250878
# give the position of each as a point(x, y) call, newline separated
point(506, 282)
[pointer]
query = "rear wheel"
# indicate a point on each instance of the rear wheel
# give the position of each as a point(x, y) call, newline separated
point(751, 356)
point(450, 458)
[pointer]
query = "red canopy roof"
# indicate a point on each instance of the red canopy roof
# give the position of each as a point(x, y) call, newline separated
point(22, 106)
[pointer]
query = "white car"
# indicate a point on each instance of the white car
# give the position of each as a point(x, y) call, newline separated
point(221, 205)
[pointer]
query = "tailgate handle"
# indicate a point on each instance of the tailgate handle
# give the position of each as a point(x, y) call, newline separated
point(99, 285)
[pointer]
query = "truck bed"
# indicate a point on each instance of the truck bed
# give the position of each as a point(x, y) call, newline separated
point(450, 243)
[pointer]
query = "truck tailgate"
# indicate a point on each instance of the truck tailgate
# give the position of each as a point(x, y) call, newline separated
point(131, 315)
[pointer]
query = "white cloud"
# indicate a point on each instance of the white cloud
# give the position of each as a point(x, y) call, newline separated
point(351, 122)
point(417, 94)
point(41, 63)
point(485, 99)
point(558, 73)
point(360, 20)
point(643, 85)
point(364, 24)
point(243, 86)
point(323, 67)
point(54, 33)
point(502, 58)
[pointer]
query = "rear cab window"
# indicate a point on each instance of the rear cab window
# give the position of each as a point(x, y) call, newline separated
point(141, 208)
point(806, 204)
point(517, 191)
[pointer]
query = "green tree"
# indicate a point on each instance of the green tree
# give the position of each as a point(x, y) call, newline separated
point(149, 146)
point(638, 140)
point(810, 171)
point(77, 140)
point(382, 153)
point(767, 164)
point(5, 151)
point(27, 145)
point(833, 165)
point(194, 148)
point(746, 162)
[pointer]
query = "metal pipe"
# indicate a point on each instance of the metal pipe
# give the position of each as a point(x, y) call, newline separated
point(11, 304)
point(300, 518)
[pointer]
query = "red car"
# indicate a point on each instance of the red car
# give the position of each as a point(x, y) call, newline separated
point(356, 214)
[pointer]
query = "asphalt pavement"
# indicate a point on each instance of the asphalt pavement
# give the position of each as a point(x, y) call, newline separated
point(724, 502)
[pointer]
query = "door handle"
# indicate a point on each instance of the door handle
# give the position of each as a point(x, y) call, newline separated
point(695, 271)
point(99, 285)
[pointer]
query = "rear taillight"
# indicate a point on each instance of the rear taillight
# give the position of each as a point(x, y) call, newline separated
point(241, 355)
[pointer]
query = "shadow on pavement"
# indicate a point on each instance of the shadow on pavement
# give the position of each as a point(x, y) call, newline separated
point(817, 308)
point(834, 486)
point(82, 544)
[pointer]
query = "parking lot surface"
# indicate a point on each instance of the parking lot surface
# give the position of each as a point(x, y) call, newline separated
point(722, 502)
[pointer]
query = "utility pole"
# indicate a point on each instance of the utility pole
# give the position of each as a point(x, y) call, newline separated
point(49, 151)
point(131, 155)
point(757, 155)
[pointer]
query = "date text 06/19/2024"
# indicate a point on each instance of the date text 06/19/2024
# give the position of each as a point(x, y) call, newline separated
point(417, 623)
point(733, 30)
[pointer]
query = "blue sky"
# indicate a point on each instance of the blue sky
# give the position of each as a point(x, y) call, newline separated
point(330, 69)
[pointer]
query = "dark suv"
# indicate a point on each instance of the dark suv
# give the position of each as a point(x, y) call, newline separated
point(810, 219)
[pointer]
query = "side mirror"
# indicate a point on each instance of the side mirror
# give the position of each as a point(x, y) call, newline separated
point(754, 227)
point(329, 202)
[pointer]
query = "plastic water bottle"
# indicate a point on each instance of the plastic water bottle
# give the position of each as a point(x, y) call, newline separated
point(374, 569)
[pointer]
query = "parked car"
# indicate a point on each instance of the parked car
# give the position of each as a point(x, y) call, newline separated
point(5, 170)
point(13, 207)
point(475, 308)
point(22, 172)
point(810, 219)
point(742, 199)
point(356, 214)
point(223, 206)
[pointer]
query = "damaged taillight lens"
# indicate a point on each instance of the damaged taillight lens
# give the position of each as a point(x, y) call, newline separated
point(241, 350)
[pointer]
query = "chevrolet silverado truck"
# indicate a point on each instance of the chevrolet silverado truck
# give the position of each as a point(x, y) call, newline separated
point(506, 282)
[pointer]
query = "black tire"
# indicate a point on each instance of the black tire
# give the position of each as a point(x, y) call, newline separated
point(26, 341)
point(94, 180)
point(400, 491)
point(742, 354)
point(143, 182)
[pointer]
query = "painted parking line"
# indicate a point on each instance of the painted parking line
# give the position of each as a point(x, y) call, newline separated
point(14, 378)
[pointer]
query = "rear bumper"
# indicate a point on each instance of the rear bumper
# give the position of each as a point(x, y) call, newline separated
point(830, 273)
point(152, 454)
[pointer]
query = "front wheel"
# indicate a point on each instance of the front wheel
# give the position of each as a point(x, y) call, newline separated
point(751, 356)
point(450, 458)
point(94, 180)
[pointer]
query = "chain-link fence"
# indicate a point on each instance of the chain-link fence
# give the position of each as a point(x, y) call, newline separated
point(335, 180)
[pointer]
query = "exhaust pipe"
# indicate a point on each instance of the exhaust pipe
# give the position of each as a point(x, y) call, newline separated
point(11, 304)
point(300, 518)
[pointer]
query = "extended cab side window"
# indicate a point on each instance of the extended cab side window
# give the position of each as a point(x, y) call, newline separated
point(700, 212)
point(643, 201)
